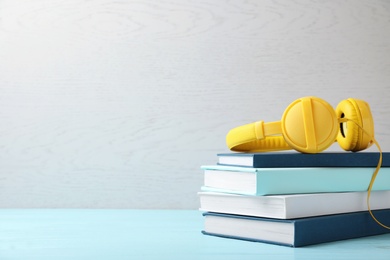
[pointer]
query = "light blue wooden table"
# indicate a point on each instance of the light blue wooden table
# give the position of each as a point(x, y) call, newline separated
point(149, 234)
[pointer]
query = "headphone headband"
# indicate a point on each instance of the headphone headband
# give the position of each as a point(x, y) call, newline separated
point(257, 137)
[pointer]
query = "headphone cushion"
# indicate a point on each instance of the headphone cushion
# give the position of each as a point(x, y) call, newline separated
point(350, 135)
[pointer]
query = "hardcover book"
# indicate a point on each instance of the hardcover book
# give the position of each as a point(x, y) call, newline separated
point(296, 232)
point(292, 206)
point(270, 181)
point(295, 159)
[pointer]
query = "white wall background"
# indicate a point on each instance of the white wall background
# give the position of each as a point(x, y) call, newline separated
point(116, 104)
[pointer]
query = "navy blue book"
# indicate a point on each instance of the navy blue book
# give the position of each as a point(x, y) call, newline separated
point(296, 159)
point(296, 232)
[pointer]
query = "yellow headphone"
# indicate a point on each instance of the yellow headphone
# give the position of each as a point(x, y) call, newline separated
point(309, 125)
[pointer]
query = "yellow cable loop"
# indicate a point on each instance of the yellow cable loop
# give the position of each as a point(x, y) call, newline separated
point(375, 172)
point(372, 184)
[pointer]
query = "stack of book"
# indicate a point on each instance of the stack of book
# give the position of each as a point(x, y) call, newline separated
point(295, 199)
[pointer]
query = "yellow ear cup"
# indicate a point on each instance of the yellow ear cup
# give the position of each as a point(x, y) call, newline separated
point(309, 125)
point(357, 113)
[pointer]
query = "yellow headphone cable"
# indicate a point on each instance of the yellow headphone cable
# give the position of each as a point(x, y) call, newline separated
point(374, 175)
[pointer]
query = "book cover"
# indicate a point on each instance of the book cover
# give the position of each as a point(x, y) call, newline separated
point(295, 159)
point(292, 206)
point(297, 232)
point(271, 181)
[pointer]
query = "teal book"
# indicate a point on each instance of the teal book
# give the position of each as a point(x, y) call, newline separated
point(295, 159)
point(296, 232)
point(270, 181)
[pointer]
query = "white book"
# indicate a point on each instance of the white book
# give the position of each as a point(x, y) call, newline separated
point(292, 206)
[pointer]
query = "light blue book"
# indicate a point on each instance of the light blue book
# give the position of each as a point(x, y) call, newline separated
point(270, 181)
